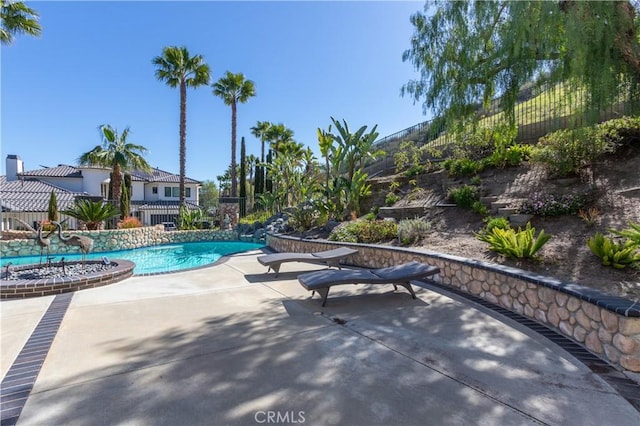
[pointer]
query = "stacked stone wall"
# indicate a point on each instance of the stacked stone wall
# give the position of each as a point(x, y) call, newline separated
point(606, 325)
point(113, 240)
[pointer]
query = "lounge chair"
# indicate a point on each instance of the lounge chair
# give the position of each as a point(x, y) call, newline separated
point(399, 275)
point(329, 257)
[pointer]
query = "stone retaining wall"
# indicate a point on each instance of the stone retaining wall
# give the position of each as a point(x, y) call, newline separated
point(607, 325)
point(112, 240)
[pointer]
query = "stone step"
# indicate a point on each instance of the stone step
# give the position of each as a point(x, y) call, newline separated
point(497, 205)
point(507, 211)
point(519, 219)
point(488, 200)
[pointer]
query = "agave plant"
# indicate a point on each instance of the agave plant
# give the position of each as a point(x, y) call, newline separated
point(92, 213)
point(632, 234)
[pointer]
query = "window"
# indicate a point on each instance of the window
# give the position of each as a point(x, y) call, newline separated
point(174, 192)
point(154, 190)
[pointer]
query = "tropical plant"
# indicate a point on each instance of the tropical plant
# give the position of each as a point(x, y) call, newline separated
point(632, 234)
point(260, 132)
point(190, 218)
point(499, 222)
point(616, 254)
point(177, 68)
point(356, 147)
point(52, 210)
point(17, 18)
point(118, 154)
point(92, 213)
point(233, 88)
point(520, 244)
point(411, 231)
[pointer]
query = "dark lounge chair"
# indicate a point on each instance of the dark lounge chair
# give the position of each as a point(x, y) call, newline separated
point(329, 257)
point(399, 275)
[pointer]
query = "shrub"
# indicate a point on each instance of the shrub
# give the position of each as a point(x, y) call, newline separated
point(304, 216)
point(344, 233)
point(464, 196)
point(462, 166)
point(480, 208)
point(521, 244)
point(617, 132)
point(391, 199)
point(499, 222)
point(365, 231)
point(412, 230)
point(415, 170)
point(565, 152)
point(407, 157)
point(512, 156)
point(619, 255)
point(554, 205)
point(589, 216)
point(257, 216)
point(129, 222)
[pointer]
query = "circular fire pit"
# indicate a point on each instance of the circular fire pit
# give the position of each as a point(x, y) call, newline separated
point(56, 278)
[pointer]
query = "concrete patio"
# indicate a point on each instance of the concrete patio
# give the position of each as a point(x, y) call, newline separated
point(232, 345)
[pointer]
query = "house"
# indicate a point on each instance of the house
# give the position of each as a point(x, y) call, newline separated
point(25, 194)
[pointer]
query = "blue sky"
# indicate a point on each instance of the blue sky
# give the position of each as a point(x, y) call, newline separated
point(309, 61)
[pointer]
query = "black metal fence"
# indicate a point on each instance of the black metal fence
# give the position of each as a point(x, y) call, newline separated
point(538, 111)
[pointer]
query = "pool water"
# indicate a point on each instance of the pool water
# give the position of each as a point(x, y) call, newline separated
point(156, 259)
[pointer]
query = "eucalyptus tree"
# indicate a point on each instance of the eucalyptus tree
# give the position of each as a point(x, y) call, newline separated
point(16, 18)
point(118, 154)
point(469, 52)
point(233, 88)
point(177, 68)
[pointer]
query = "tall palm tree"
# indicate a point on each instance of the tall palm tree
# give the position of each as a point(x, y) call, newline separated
point(260, 131)
point(233, 88)
point(279, 135)
point(118, 154)
point(17, 18)
point(177, 68)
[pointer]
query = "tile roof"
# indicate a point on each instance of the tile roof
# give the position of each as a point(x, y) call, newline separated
point(62, 170)
point(59, 171)
point(161, 205)
point(158, 175)
point(31, 195)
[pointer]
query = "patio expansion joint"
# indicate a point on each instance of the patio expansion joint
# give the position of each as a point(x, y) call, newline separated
point(22, 376)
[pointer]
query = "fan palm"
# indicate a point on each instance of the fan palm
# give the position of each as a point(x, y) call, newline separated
point(17, 18)
point(233, 88)
point(92, 213)
point(118, 154)
point(177, 68)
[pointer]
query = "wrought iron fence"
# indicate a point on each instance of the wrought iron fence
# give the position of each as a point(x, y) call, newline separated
point(538, 111)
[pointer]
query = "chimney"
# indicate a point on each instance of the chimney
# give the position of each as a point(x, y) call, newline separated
point(14, 166)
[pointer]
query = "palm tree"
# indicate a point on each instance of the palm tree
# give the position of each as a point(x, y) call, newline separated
point(178, 69)
point(118, 154)
point(17, 18)
point(260, 132)
point(279, 135)
point(233, 88)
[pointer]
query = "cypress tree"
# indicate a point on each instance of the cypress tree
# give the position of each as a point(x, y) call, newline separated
point(269, 182)
point(52, 212)
point(125, 197)
point(243, 179)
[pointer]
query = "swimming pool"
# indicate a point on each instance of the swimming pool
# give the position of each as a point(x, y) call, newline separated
point(157, 259)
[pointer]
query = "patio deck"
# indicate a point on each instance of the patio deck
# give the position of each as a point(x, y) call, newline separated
point(232, 345)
